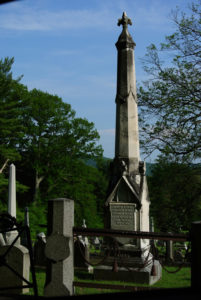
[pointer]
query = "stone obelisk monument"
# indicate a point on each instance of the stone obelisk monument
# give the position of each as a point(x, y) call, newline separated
point(12, 191)
point(127, 201)
point(12, 202)
point(127, 204)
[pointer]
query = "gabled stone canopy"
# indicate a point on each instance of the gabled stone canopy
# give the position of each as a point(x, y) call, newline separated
point(126, 192)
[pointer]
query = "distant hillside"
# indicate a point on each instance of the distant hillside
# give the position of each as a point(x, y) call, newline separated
point(92, 163)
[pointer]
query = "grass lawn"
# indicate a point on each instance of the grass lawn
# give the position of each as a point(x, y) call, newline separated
point(168, 280)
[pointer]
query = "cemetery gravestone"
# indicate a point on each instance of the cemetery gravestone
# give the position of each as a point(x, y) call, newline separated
point(81, 251)
point(39, 250)
point(18, 259)
point(80, 254)
point(59, 248)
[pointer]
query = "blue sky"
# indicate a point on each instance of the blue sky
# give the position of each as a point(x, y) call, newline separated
point(67, 48)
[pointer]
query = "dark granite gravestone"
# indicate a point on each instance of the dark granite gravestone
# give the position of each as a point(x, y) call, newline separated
point(81, 254)
point(18, 259)
point(39, 250)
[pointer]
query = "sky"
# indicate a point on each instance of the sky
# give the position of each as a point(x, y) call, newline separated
point(67, 48)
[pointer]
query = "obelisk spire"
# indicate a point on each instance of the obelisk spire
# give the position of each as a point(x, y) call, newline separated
point(126, 139)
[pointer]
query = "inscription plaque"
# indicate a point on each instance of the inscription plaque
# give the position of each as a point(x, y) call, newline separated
point(123, 218)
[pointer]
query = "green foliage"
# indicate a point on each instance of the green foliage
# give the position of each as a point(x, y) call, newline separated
point(3, 183)
point(53, 139)
point(102, 183)
point(11, 109)
point(175, 194)
point(41, 135)
point(37, 219)
point(170, 107)
point(11, 128)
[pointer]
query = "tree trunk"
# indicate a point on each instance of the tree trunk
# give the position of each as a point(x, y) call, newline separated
point(38, 180)
point(4, 165)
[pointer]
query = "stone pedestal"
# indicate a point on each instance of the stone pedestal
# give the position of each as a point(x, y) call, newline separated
point(137, 275)
point(130, 263)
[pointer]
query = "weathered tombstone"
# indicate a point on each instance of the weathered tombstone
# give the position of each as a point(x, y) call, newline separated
point(59, 248)
point(18, 259)
point(81, 254)
point(127, 204)
point(39, 250)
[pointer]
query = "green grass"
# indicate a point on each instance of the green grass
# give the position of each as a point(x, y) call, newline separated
point(175, 280)
point(168, 280)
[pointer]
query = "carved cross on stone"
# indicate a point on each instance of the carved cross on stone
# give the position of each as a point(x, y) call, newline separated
point(124, 21)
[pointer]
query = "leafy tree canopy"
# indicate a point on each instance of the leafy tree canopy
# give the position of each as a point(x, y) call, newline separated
point(11, 128)
point(175, 194)
point(170, 101)
point(53, 138)
point(41, 135)
point(11, 107)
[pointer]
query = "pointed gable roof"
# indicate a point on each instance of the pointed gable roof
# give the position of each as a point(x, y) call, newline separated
point(133, 191)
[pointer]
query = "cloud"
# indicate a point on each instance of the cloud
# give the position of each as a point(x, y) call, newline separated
point(22, 16)
point(66, 52)
point(110, 131)
point(27, 18)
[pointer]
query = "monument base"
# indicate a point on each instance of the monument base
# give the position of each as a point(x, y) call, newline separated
point(137, 275)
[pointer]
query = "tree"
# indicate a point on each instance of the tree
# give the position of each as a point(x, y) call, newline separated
point(175, 194)
point(170, 101)
point(53, 140)
point(49, 146)
point(102, 183)
point(11, 107)
point(11, 129)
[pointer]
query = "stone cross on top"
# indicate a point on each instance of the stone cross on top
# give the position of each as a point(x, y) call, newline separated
point(124, 21)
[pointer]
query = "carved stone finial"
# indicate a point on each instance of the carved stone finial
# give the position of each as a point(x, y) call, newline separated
point(125, 40)
point(124, 20)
